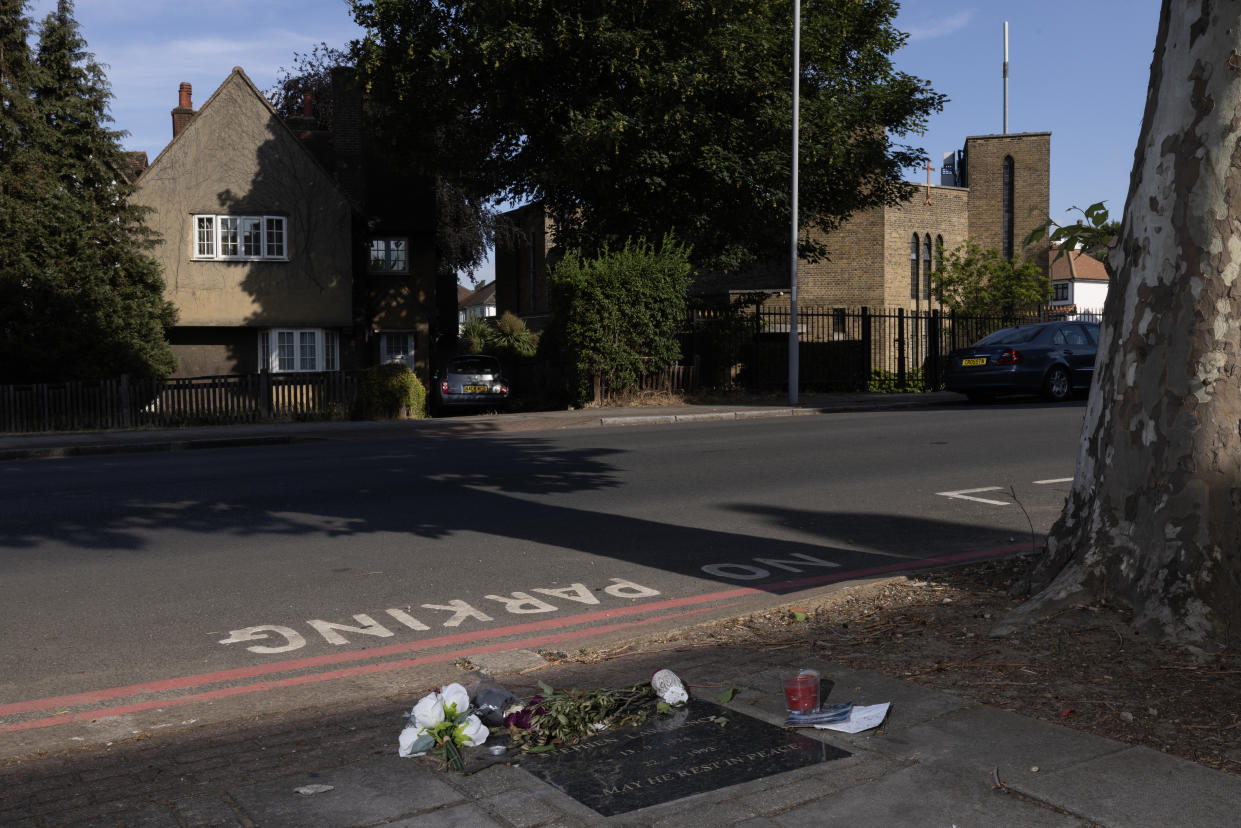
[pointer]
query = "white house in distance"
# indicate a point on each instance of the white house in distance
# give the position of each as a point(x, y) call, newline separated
point(1078, 284)
point(480, 302)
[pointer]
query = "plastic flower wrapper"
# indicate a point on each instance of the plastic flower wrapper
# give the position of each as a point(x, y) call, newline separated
point(442, 723)
point(667, 685)
point(492, 702)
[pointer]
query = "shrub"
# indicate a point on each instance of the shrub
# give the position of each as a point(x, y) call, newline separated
point(388, 389)
point(620, 312)
point(476, 335)
point(886, 382)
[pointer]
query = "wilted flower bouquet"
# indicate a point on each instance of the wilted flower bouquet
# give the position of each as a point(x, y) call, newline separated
point(442, 723)
point(556, 718)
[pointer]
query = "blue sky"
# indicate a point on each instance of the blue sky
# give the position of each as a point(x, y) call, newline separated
point(1077, 68)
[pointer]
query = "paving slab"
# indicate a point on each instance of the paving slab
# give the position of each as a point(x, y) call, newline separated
point(925, 796)
point(364, 793)
point(459, 816)
point(982, 740)
point(1140, 787)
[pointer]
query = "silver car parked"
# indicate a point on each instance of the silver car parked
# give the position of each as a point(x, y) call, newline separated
point(473, 381)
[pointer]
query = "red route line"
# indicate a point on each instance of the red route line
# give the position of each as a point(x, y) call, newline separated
point(183, 682)
point(366, 669)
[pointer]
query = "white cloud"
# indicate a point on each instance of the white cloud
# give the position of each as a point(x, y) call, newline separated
point(941, 27)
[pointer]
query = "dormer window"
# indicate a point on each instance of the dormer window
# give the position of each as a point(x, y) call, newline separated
point(240, 238)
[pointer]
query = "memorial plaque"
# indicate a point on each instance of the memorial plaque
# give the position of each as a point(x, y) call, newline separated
point(673, 756)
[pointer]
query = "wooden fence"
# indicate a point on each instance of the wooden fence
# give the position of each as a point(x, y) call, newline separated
point(674, 379)
point(217, 400)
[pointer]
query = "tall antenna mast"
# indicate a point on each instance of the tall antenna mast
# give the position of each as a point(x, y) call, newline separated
point(1005, 77)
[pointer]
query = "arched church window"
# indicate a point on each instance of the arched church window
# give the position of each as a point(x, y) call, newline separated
point(1008, 207)
point(913, 267)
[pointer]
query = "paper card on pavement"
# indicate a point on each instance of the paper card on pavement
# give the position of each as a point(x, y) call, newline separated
point(863, 718)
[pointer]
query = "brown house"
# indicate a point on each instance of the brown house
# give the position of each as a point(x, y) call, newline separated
point(272, 250)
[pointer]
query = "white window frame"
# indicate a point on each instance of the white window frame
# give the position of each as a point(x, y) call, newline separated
point(309, 350)
point(226, 238)
point(388, 354)
point(386, 266)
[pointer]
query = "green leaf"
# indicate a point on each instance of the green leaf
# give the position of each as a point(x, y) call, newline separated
point(727, 696)
point(423, 743)
point(540, 748)
point(663, 708)
point(720, 720)
point(548, 692)
point(798, 615)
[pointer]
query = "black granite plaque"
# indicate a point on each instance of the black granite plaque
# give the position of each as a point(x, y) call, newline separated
point(673, 756)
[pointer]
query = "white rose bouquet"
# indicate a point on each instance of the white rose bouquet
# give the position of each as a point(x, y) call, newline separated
point(442, 723)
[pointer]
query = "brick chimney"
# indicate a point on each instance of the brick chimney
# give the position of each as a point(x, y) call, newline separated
point(308, 106)
point(183, 112)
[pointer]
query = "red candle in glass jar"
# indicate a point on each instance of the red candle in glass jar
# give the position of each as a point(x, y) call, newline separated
point(801, 692)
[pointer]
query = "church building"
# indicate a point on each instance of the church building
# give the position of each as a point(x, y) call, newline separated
point(995, 191)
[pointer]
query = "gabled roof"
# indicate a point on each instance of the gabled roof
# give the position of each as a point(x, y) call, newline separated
point(485, 295)
point(1077, 266)
point(239, 75)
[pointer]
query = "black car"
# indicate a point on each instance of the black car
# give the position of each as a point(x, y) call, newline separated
point(1049, 358)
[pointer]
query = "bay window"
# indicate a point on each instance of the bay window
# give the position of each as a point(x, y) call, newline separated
point(288, 350)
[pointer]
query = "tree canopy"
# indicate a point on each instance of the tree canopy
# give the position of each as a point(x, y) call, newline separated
point(982, 282)
point(634, 119)
point(80, 296)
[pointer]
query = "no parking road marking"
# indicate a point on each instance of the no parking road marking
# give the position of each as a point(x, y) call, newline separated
point(965, 494)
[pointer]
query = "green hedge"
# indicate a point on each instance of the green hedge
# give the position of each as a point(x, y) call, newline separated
point(387, 389)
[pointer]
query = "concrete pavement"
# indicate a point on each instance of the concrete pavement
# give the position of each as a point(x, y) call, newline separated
point(938, 760)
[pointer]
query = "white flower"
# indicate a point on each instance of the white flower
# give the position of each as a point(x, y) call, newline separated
point(675, 695)
point(474, 731)
point(429, 712)
point(405, 742)
point(455, 698)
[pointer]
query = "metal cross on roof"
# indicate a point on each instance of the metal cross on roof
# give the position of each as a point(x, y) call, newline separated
point(929, 169)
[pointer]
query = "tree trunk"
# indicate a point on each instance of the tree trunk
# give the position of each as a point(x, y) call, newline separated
point(1154, 517)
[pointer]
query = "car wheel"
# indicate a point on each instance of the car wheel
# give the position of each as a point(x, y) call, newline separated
point(1056, 386)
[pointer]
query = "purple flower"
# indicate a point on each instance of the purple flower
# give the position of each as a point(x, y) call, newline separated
point(522, 718)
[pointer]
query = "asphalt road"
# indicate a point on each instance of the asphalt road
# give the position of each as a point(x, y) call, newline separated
point(206, 572)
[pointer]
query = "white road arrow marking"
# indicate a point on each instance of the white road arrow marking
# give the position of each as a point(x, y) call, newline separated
point(964, 494)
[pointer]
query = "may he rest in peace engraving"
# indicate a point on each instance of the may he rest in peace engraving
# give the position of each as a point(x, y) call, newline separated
point(670, 757)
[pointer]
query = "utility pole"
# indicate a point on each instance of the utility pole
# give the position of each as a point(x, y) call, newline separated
point(794, 354)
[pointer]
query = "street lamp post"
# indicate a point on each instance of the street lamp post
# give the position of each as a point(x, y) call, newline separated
point(794, 355)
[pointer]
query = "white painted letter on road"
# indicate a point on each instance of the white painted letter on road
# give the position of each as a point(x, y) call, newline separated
point(575, 592)
point(745, 571)
point(620, 588)
point(369, 626)
point(806, 560)
point(460, 610)
point(293, 639)
point(521, 603)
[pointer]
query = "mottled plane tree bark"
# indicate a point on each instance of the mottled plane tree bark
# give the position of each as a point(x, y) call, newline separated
point(1154, 517)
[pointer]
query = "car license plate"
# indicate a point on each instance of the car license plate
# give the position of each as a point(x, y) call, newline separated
point(974, 361)
point(475, 389)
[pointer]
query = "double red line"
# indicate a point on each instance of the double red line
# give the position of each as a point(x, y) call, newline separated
point(661, 607)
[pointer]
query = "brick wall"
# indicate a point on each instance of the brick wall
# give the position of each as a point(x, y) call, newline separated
point(947, 216)
point(1031, 154)
point(852, 275)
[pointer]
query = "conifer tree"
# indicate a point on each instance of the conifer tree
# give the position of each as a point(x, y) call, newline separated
point(90, 295)
point(23, 171)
